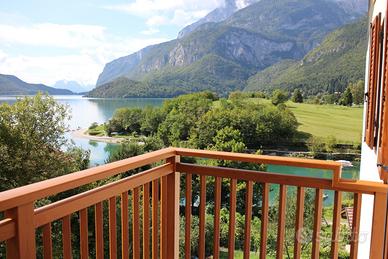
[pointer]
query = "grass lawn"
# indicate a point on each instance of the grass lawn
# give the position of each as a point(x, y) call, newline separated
point(344, 123)
point(237, 254)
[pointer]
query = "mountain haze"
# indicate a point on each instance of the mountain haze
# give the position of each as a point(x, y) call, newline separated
point(73, 86)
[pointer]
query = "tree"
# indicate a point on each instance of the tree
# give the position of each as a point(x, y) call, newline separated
point(357, 90)
point(152, 118)
point(278, 97)
point(126, 120)
point(297, 96)
point(32, 142)
point(346, 98)
point(229, 140)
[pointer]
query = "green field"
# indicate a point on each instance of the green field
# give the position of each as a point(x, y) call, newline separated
point(344, 123)
point(237, 254)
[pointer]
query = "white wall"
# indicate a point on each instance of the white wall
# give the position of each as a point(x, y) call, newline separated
point(368, 170)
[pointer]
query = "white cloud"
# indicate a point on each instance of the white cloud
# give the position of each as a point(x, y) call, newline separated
point(184, 18)
point(150, 31)
point(54, 35)
point(90, 48)
point(162, 12)
point(156, 20)
point(147, 7)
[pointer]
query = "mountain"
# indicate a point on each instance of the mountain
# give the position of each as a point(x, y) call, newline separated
point(73, 86)
point(353, 7)
point(330, 67)
point(248, 41)
point(11, 85)
point(210, 73)
point(217, 15)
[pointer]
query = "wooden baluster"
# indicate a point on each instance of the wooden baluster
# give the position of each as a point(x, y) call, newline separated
point(232, 218)
point(84, 243)
point(112, 229)
point(155, 226)
point(99, 230)
point(202, 217)
point(248, 218)
point(299, 222)
point(66, 237)
point(163, 218)
point(173, 199)
point(317, 223)
point(146, 221)
point(336, 224)
point(356, 226)
point(217, 208)
point(124, 226)
point(264, 221)
point(188, 202)
point(135, 224)
point(378, 221)
point(23, 244)
point(47, 242)
point(281, 221)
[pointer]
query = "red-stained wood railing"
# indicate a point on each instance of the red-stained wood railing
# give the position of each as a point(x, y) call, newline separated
point(151, 201)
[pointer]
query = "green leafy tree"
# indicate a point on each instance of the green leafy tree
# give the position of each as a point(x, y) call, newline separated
point(125, 120)
point(183, 113)
point(152, 118)
point(297, 96)
point(347, 98)
point(32, 142)
point(229, 140)
point(278, 97)
point(357, 90)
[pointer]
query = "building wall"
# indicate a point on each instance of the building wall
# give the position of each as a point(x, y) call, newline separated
point(369, 170)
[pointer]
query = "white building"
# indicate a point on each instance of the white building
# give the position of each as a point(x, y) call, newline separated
point(375, 135)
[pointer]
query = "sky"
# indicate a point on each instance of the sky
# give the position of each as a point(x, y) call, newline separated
point(45, 41)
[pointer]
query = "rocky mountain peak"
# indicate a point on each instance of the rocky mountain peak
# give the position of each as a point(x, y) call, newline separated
point(218, 15)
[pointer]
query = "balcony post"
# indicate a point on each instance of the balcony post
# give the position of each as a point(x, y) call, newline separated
point(378, 226)
point(173, 184)
point(23, 244)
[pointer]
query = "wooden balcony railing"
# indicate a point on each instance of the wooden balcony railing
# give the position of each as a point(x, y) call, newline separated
point(155, 227)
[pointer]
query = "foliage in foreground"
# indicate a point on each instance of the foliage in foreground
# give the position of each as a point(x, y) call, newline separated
point(32, 142)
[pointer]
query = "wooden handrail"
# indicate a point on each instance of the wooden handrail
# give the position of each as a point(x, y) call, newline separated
point(33, 192)
point(275, 178)
point(260, 159)
point(7, 229)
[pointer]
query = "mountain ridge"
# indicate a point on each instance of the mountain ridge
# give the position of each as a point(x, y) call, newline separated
point(12, 85)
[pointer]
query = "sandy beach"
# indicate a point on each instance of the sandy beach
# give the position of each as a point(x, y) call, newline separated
point(81, 133)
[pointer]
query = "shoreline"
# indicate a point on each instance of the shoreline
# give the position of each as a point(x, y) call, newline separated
point(81, 133)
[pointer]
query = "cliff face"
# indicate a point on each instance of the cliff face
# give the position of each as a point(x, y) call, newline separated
point(328, 68)
point(254, 37)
